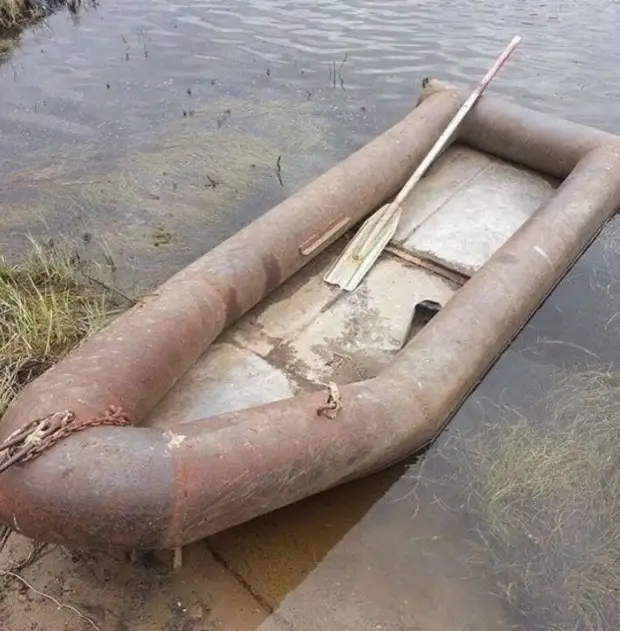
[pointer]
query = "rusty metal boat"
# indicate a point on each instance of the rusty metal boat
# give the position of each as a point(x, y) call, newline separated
point(246, 383)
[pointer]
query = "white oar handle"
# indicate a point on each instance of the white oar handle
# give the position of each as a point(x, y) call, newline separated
point(455, 122)
point(437, 148)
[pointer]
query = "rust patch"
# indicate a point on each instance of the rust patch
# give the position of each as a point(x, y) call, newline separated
point(352, 367)
point(234, 309)
point(284, 357)
point(273, 273)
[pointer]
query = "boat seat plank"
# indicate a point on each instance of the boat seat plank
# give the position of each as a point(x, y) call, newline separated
point(226, 378)
point(467, 206)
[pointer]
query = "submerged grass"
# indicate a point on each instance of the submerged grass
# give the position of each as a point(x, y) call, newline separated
point(543, 490)
point(200, 178)
point(47, 307)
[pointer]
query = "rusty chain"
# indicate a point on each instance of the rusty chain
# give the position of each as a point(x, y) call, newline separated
point(33, 439)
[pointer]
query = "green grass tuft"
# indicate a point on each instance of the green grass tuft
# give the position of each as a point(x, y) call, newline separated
point(47, 307)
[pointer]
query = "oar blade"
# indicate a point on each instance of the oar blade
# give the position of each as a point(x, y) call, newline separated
point(348, 270)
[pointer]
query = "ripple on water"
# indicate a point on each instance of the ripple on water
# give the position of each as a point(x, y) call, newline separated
point(148, 53)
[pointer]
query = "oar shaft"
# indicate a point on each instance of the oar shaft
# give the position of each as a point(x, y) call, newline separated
point(439, 145)
point(442, 141)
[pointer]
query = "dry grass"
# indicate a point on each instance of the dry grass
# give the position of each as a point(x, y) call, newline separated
point(47, 307)
point(12, 12)
point(544, 493)
point(17, 13)
point(7, 45)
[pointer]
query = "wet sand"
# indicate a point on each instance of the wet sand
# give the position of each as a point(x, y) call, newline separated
point(367, 556)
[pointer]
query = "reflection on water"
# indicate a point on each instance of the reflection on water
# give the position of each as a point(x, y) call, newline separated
point(155, 127)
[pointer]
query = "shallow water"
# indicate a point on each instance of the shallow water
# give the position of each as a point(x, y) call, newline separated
point(147, 132)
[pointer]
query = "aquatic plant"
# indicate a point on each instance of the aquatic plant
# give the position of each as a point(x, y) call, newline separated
point(47, 307)
point(542, 489)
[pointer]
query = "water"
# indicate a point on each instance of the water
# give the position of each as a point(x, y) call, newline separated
point(143, 118)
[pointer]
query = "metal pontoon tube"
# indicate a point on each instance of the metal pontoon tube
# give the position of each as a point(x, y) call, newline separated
point(150, 488)
point(539, 141)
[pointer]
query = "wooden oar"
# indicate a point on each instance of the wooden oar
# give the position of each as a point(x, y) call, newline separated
point(377, 231)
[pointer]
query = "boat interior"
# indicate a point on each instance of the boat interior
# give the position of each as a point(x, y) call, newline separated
point(308, 333)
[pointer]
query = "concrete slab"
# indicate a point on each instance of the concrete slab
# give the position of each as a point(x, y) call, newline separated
point(396, 560)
